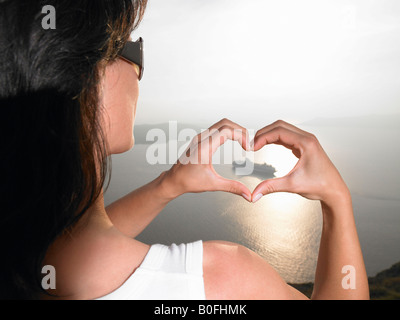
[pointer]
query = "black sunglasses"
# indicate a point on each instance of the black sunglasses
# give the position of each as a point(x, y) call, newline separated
point(133, 52)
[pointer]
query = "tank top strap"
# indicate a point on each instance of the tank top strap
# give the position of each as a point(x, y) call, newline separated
point(194, 258)
point(167, 273)
point(183, 258)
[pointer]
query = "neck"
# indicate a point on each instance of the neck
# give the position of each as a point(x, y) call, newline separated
point(95, 216)
point(95, 221)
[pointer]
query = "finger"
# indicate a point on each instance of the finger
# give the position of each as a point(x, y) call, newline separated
point(271, 186)
point(224, 133)
point(283, 124)
point(224, 123)
point(279, 124)
point(202, 152)
point(202, 136)
point(227, 122)
point(234, 187)
point(285, 137)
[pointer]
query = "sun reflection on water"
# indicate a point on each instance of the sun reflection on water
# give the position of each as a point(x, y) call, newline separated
point(283, 228)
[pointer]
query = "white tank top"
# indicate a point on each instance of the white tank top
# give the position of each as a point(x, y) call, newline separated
point(166, 273)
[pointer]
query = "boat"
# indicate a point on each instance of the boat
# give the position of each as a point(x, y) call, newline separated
point(264, 170)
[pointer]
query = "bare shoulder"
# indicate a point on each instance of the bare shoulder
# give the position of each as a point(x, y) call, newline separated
point(92, 265)
point(233, 272)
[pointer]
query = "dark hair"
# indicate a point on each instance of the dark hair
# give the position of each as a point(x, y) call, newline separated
point(53, 155)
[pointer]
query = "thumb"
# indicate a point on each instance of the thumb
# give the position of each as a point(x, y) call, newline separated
point(234, 187)
point(271, 186)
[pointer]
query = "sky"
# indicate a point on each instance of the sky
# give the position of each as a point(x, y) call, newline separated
point(257, 61)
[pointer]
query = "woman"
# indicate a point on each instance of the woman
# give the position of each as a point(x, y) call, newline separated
point(68, 99)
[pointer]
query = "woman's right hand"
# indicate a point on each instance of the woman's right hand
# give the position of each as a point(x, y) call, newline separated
point(314, 176)
point(194, 172)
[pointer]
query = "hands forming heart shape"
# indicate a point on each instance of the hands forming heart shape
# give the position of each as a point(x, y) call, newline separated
point(314, 176)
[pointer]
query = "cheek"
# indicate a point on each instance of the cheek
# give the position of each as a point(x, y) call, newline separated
point(120, 94)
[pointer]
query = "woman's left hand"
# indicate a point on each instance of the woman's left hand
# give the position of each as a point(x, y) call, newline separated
point(194, 172)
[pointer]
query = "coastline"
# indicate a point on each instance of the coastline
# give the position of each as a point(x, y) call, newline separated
point(385, 285)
